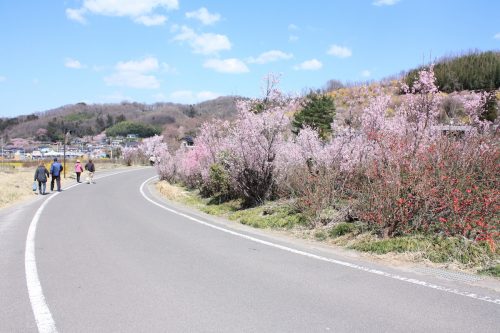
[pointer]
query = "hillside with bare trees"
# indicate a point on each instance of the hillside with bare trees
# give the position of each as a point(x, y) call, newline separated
point(173, 120)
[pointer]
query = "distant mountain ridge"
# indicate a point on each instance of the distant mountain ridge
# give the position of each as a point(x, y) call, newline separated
point(471, 71)
point(91, 119)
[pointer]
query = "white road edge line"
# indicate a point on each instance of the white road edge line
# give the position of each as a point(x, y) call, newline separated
point(318, 257)
point(43, 317)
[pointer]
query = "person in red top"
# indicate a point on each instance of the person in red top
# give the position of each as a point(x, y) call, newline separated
point(78, 170)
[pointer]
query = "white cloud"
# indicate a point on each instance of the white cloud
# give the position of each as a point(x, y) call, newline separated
point(141, 11)
point(209, 43)
point(72, 63)
point(3, 78)
point(293, 38)
point(270, 56)
point(339, 51)
point(207, 95)
point(135, 74)
point(76, 15)
point(385, 2)
point(366, 73)
point(146, 65)
point(188, 96)
point(132, 8)
point(204, 16)
point(132, 80)
point(232, 65)
point(309, 65)
point(151, 20)
point(206, 43)
point(293, 27)
point(497, 36)
point(183, 33)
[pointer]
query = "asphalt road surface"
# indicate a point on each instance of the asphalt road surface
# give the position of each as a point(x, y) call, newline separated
point(114, 257)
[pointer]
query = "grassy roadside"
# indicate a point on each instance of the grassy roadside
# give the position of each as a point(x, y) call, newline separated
point(451, 252)
point(16, 179)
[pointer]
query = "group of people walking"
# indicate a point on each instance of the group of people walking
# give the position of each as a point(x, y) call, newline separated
point(42, 174)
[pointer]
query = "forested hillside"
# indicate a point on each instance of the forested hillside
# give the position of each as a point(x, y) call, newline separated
point(472, 71)
point(91, 119)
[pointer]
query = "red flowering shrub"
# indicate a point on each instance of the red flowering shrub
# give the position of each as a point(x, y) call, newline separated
point(452, 187)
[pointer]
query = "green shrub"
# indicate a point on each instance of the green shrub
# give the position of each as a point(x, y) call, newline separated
point(320, 235)
point(341, 229)
point(218, 186)
point(79, 116)
point(491, 271)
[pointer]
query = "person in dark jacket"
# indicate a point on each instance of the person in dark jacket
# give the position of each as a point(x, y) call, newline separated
point(91, 169)
point(55, 170)
point(41, 174)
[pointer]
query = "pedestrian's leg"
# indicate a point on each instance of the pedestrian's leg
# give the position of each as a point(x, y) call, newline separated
point(40, 187)
point(78, 177)
point(44, 185)
point(92, 177)
point(88, 177)
point(58, 179)
point(52, 183)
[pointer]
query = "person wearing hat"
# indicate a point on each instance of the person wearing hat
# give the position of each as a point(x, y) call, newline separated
point(78, 170)
point(55, 172)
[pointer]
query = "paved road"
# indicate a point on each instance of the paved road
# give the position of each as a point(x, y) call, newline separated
point(110, 259)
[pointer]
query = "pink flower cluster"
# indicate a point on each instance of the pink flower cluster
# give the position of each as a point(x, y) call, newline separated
point(381, 146)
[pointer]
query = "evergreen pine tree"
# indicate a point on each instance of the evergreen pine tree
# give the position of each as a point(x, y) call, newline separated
point(318, 112)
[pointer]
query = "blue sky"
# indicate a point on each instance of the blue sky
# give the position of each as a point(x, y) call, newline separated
point(58, 52)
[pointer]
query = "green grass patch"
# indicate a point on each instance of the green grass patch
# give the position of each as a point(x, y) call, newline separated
point(436, 249)
point(491, 271)
point(272, 215)
point(79, 116)
point(341, 229)
point(398, 245)
point(223, 209)
point(320, 235)
point(275, 215)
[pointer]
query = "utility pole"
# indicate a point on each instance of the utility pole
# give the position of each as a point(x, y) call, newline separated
point(66, 134)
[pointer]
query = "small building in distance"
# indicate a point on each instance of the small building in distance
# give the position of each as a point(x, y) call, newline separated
point(187, 141)
point(453, 130)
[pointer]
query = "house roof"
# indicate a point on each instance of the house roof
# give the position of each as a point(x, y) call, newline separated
point(188, 139)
